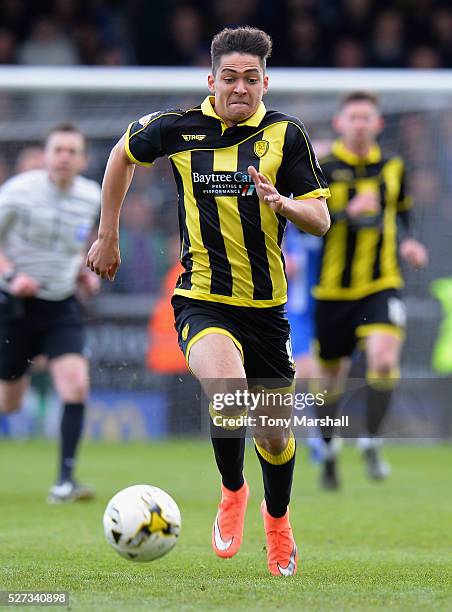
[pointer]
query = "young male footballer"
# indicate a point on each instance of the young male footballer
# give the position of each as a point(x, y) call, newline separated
point(241, 172)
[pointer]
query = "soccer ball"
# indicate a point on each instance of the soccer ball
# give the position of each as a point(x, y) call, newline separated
point(142, 523)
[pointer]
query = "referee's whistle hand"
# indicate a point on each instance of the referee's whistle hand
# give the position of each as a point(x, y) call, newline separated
point(104, 258)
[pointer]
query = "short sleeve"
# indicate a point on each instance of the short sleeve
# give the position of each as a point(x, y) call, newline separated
point(145, 138)
point(302, 176)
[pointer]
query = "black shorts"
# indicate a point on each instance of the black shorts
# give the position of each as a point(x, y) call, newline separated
point(30, 327)
point(341, 323)
point(262, 336)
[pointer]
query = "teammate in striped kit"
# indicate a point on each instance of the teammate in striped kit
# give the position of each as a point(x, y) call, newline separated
point(357, 294)
point(46, 217)
point(241, 173)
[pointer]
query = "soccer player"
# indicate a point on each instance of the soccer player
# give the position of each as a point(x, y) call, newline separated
point(357, 295)
point(241, 172)
point(46, 217)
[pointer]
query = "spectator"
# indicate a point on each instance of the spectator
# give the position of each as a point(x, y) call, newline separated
point(387, 49)
point(29, 158)
point(442, 29)
point(7, 47)
point(356, 18)
point(234, 13)
point(424, 57)
point(349, 53)
point(47, 46)
point(306, 46)
point(13, 17)
point(187, 46)
point(89, 45)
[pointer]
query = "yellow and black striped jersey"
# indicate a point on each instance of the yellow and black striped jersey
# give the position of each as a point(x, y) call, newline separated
point(360, 256)
point(230, 241)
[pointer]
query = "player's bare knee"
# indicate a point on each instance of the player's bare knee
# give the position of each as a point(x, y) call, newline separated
point(9, 406)
point(275, 442)
point(74, 391)
point(384, 363)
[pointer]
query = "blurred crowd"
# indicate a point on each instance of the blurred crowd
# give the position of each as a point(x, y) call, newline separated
point(307, 33)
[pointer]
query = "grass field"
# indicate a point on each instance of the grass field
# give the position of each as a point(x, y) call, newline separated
point(370, 546)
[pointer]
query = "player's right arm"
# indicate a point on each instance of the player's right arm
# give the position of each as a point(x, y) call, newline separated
point(104, 257)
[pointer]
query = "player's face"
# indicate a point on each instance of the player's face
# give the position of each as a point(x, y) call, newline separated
point(359, 123)
point(238, 85)
point(64, 156)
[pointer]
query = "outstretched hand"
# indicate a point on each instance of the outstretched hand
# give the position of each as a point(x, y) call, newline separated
point(266, 191)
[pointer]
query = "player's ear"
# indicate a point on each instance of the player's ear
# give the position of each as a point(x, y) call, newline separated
point(265, 83)
point(211, 83)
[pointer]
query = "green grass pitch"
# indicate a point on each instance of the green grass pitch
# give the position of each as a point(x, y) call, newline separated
point(370, 546)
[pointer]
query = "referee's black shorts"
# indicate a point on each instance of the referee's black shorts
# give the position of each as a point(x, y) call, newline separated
point(262, 335)
point(31, 326)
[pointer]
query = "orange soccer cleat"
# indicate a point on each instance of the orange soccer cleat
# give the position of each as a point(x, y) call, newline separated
point(282, 554)
point(227, 531)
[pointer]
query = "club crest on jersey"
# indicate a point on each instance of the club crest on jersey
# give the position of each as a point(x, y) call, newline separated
point(261, 147)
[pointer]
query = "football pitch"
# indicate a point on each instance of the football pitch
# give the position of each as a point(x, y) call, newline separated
point(369, 546)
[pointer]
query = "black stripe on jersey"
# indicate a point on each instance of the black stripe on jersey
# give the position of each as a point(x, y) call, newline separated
point(350, 250)
point(184, 281)
point(376, 268)
point(250, 218)
point(209, 221)
point(282, 222)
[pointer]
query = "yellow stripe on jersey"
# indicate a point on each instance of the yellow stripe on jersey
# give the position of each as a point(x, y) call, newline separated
point(201, 271)
point(391, 174)
point(268, 166)
point(317, 193)
point(364, 256)
point(339, 197)
point(129, 152)
point(232, 229)
point(333, 258)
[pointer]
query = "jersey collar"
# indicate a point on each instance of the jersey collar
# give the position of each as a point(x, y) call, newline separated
point(372, 157)
point(207, 108)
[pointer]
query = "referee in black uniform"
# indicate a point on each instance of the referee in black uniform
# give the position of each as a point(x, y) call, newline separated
point(241, 172)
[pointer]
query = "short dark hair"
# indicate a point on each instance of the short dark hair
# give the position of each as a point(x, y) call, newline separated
point(241, 40)
point(360, 96)
point(66, 127)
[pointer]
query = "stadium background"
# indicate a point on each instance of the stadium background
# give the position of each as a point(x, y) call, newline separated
point(129, 399)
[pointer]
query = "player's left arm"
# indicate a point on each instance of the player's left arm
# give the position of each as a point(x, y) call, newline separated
point(312, 217)
point(411, 250)
point(300, 189)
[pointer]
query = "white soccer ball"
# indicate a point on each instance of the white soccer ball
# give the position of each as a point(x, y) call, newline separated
point(142, 523)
